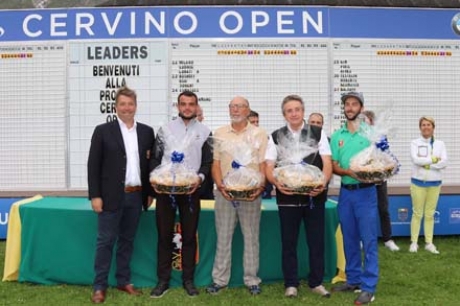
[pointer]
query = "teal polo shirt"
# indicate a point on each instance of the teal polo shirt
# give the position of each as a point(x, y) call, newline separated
point(345, 145)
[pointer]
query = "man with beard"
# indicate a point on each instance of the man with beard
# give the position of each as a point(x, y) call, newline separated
point(198, 156)
point(240, 133)
point(357, 208)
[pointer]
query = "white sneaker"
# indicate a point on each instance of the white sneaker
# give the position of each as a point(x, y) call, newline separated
point(392, 246)
point(321, 291)
point(413, 247)
point(291, 292)
point(431, 248)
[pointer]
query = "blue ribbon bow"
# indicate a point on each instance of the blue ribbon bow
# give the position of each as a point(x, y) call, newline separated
point(177, 157)
point(383, 144)
point(235, 165)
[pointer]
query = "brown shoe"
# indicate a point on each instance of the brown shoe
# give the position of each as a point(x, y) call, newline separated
point(129, 289)
point(98, 297)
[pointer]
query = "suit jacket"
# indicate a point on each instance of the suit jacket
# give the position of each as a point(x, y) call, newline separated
point(107, 164)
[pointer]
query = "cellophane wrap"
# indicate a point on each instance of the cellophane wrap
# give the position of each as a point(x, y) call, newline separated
point(291, 170)
point(174, 175)
point(242, 181)
point(376, 163)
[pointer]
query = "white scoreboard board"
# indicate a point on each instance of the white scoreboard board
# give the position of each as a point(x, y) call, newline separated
point(33, 116)
point(412, 79)
point(96, 71)
point(59, 73)
point(264, 72)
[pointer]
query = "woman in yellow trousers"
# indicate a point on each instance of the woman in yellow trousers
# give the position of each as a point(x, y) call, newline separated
point(429, 157)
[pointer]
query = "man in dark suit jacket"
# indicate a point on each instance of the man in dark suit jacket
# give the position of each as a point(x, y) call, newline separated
point(118, 183)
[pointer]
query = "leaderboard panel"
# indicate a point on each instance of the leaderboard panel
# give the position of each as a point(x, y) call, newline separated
point(33, 115)
point(408, 79)
point(96, 71)
point(263, 71)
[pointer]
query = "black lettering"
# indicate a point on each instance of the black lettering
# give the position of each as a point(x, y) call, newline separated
point(126, 52)
point(115, 83)
point(89, 55)
point(117, 52)
point(111, 118)
point(108, 54)
point(107, 95)
point(97, 52)
point(107, 108)
point(116, 70)
point(143, 52)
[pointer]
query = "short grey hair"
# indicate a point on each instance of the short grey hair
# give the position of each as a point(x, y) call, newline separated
point(292, 98)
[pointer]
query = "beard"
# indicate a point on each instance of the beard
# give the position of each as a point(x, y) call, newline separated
point(353, 118)
point(187, 117)
point(237, 119)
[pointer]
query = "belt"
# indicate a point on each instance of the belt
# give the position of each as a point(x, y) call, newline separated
point(357, 186)
point(129, 189)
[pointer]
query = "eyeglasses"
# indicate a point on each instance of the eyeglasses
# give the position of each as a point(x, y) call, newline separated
point(237, 106)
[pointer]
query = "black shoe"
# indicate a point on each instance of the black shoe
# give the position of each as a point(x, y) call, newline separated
point(214, 288)
point(346, 288)
point(159, 290)
point(364, 298)
point(190, 288)
point(254, 289)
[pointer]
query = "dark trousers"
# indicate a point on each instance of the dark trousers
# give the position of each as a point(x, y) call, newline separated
point(290, 219)
point(189, 212)
point(117, 226)
point(207, 189)
point(384, 214)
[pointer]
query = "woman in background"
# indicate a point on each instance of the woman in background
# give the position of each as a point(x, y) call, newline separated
point(429, 157)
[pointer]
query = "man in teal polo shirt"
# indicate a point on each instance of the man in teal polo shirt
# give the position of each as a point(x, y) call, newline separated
point(357, 207)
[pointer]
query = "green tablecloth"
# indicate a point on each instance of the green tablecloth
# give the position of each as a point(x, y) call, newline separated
point(59, 237)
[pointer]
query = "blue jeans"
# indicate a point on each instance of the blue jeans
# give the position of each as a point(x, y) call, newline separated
point(358, 215)
point(117, 226)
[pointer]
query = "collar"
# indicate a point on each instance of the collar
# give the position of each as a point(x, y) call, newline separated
point(180, 120)
point(247, 127)
point(344, 128)
point(124, 126)
point(296, 132)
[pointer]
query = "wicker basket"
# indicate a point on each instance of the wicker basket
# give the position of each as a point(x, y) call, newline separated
point(303, 190)
point(241, 195)
point(166, 189)
point(375, 175)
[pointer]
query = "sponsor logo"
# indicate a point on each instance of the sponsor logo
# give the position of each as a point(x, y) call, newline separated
point(177, 248)
point(403, 214)
point(456, 24)
point(454, 216)
point(437, 217)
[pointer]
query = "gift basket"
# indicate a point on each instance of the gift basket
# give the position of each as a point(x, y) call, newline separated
point(296, 175)
point(173, 176)
point(373, 165)
point(376, 163)
point(242, 181)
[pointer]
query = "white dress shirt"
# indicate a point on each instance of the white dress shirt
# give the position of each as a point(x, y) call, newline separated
point(133, 171)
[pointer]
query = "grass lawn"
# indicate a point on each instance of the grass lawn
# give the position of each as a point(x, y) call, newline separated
point(405, 279)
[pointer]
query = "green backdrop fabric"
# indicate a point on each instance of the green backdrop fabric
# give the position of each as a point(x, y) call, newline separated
point(59, 238)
